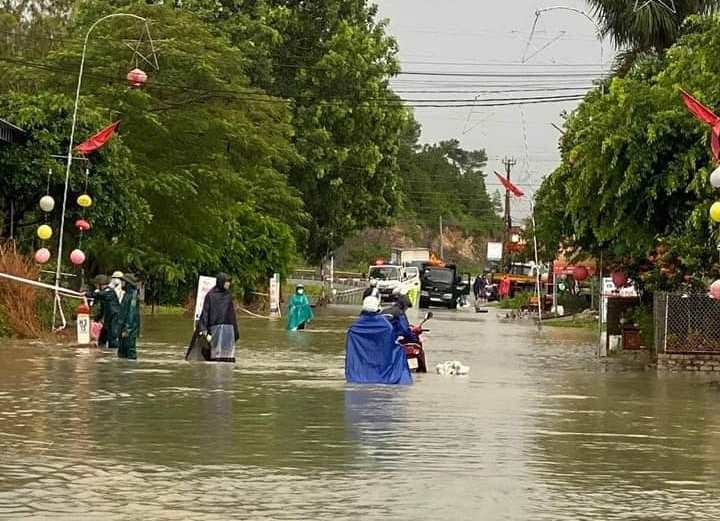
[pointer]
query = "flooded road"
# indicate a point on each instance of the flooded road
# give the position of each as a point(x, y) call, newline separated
point(539, 430)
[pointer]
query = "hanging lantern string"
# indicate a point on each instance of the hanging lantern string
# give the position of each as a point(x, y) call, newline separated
point(47, 192)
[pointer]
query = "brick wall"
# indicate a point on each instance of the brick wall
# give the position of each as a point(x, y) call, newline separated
point(689, 362)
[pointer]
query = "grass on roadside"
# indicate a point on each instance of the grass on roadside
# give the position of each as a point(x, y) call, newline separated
point(163, 310)
point(576, 322)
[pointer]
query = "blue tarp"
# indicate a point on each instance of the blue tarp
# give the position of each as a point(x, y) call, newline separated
point(372, 356)
point(402, 328)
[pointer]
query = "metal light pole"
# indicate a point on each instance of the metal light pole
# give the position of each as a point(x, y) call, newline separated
point(70, 151)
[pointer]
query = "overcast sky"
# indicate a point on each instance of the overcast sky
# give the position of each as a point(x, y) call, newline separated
point(480, 37)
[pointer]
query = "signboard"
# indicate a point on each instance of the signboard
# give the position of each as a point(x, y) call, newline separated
point(205, 284)
point(83, 328)
point(494, 251)
point(609, 290)
point(275, 295)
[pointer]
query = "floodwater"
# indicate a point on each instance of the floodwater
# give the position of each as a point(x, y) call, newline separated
point(540, 429)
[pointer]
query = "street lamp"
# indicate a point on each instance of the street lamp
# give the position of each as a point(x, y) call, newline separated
point(70, 151)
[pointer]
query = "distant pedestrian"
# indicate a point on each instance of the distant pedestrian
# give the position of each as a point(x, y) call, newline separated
point(218, 321)
point(129, 319)
point(299, 311)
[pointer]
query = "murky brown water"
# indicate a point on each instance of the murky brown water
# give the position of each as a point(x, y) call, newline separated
point(539, 430)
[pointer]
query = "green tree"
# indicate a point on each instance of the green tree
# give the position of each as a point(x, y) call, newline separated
point(205, 172)
point(653, 26)
point(633, 183)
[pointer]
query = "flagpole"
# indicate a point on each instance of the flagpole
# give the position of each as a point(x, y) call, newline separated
point(70, 154)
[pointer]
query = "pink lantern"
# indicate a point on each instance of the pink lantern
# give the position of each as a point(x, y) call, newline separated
point(619, 279)
point(77, 257)
point(136, 78)
point(715, 290)
point(580, 273)
point(82, 225)
point(42, 255)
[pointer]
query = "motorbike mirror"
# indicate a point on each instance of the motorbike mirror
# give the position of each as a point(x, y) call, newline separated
point(428, 315)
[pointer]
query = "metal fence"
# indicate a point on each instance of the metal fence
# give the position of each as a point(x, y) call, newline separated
point(686, 323)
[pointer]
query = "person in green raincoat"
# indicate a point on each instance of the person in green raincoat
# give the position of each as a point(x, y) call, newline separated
point(129, 319)
point(108, 310)
point(299, 312)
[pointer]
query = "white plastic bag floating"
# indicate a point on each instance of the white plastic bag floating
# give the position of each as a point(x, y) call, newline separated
point(452, 368)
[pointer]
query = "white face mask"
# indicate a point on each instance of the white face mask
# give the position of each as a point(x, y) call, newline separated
point(301, 291)
point(115, 283)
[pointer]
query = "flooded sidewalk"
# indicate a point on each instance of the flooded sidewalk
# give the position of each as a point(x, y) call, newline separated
point(540, 429)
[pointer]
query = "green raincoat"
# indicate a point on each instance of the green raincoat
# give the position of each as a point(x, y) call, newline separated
point(129, 323)
point(299, 312)
point(108, 313)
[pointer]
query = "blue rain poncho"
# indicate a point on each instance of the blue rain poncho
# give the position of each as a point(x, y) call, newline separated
point(372, 356)
point(299, 312)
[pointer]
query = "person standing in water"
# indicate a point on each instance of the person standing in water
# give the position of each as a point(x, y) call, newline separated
point(129, 319)
point(299, 311)
point(108, 311)
point(218, 321)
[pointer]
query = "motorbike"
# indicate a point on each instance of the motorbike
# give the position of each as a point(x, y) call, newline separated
point(414, 350)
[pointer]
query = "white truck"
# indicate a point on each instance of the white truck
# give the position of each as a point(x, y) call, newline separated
point(408, 256)
point(399, 272)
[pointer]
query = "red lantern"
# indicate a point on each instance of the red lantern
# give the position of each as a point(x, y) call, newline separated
point(580, 273)
point(82, 225)
point(619, 279)
point(136, 78)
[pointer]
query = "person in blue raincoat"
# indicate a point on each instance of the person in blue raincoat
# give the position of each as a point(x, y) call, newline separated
point(372, 353)
point(299, 311)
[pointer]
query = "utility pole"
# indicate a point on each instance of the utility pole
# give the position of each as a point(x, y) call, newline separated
point(509, 163)
point(442, 253)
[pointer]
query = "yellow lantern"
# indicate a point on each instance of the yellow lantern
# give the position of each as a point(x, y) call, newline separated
point(715, 212)
point(44, 232)
point(84, 200)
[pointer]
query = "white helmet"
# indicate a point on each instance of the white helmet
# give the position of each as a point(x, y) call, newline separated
point(371, 304)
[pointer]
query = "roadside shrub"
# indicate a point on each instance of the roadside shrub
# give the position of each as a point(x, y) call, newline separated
point(19, 302)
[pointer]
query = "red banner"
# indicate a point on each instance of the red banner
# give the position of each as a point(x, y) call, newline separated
point(509, 186)
point(98, 140)
point(705, 115)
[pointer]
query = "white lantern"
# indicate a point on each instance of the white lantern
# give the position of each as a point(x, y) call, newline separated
point(47, 203)
point(715, 178)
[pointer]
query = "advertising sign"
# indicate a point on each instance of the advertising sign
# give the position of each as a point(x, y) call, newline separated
point(494, 251)
point(275, 295)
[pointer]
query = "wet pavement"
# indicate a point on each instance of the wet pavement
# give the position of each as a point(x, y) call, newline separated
point(540, 429)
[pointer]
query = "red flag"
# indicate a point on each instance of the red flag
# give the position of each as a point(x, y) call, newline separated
point(98, 140)
point(509, 186)
point(699, 110)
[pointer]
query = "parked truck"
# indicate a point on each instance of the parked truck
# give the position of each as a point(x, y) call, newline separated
point(441, 285)
point(409, 256)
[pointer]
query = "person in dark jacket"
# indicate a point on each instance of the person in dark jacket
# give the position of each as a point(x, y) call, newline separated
point(398, 319)
point(107, 312)
point(218, 321)
point(129, 319)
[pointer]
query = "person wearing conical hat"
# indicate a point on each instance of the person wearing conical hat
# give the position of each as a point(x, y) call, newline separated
point(129, 319)
point(116, 283)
